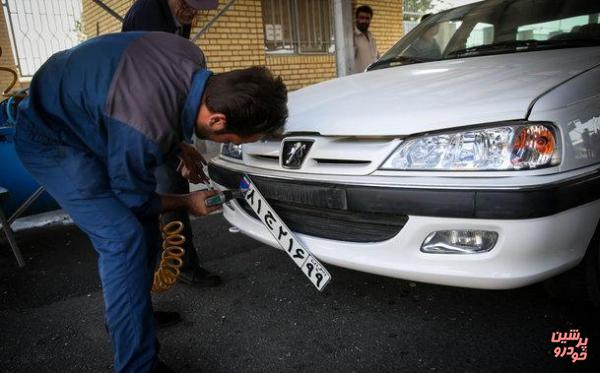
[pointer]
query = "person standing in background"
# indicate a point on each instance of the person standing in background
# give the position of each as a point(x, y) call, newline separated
point(175, 17)
point(172, 16)
point(365, 47)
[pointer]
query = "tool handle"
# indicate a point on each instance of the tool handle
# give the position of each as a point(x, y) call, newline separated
point(223, 196)
point(217, 199)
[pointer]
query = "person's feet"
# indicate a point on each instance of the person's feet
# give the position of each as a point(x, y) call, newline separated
point(165, 318)
point(200, 277)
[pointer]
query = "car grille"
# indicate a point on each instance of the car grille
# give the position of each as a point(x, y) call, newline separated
point(315, 217)
point(331, 155)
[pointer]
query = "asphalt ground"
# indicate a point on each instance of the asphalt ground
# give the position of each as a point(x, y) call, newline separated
point(267, 317)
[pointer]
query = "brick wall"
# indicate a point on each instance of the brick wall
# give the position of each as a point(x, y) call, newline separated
point(96, 21)
point(387, 22)
point(7, 59)
point(236, 40)
point(300, 71)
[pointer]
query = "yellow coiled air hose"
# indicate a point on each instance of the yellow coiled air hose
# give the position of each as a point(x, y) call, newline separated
point(170, 260)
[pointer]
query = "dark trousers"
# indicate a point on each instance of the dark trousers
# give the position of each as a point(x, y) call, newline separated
point(127, 244)
point(169, 181)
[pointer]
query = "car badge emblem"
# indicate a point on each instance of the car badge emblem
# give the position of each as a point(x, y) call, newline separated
point(294, 153)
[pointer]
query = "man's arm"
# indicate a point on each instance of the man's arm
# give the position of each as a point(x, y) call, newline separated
point(131, 169)
point(131, 161)
point(191, 163)
point(192, 202)
point(375, 47)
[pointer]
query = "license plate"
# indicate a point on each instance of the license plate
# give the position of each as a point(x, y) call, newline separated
point(308, 263)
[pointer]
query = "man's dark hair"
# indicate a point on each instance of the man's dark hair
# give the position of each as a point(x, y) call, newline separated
point(252, 100)
point(364, 9)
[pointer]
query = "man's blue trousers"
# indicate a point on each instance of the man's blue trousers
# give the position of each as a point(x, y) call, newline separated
point(126, 244)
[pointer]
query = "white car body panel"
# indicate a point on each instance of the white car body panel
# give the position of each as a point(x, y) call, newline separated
point(527, 252)
point(421, 179)
point(437, 95)
point(358, 121)
point(575, 104)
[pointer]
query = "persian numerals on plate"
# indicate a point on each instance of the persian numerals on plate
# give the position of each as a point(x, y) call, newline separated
point(307, 262)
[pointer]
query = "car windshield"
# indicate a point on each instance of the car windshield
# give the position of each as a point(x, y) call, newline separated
point(495, 27)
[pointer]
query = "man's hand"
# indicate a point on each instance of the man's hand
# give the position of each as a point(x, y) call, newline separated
point(192, 202)
point(191, 164)
point(196, 203)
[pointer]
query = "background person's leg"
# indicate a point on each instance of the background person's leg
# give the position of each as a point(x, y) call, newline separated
point(170, 181)
point(153, 244)
point(78, 182)
point(153, 247)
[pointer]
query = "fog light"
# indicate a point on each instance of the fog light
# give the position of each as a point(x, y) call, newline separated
point(459, 242)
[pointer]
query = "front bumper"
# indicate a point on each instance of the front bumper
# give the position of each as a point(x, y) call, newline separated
point(542, 231)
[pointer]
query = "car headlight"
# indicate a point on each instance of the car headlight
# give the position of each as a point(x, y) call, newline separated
point(231, 150)
point(507, 147)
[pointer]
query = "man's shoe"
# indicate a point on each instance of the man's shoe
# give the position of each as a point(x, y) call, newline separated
point(160, 367)
point(164, 319)
point(200, 277)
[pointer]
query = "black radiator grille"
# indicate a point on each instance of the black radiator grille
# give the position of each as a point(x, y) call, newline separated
point(322, 210)
point(335, 224)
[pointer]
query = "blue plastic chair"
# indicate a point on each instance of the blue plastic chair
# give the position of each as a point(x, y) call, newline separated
point(26, 195)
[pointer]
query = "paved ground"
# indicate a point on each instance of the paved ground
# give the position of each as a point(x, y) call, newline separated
point(267, 317)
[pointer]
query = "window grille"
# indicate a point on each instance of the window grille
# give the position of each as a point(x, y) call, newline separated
point(40, 28)
point(298, 26)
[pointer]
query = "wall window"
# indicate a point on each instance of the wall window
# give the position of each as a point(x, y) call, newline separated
point(298, 26)
point(40, 28)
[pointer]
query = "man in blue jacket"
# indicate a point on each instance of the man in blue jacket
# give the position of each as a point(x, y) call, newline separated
point(174, 16)
point(99, 119)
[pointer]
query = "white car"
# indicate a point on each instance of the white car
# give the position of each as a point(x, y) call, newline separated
point(468, 155)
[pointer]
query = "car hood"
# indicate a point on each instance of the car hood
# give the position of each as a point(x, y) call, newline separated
point(430, 96)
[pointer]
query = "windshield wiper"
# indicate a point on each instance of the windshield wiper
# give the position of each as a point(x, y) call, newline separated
point(520, 45)
point(401, 60)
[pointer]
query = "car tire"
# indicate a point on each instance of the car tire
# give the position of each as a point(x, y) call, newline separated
point(582, 283)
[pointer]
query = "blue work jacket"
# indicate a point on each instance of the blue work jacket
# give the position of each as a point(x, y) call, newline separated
point(127, 99)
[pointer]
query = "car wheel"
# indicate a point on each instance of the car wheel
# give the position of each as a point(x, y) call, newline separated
point(582, 283)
